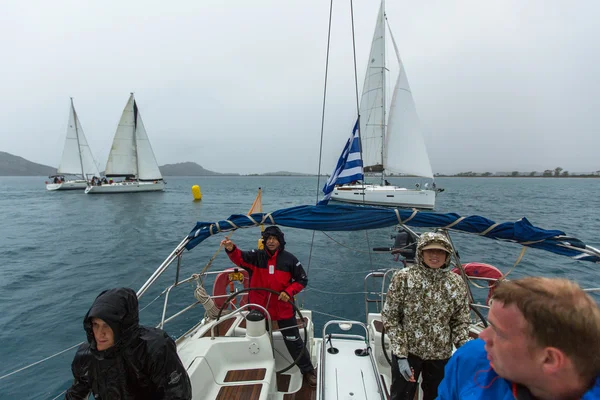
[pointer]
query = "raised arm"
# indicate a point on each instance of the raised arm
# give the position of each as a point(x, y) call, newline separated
point(244, 259)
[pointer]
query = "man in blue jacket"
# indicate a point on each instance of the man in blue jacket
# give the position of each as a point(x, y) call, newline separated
point(543, 342)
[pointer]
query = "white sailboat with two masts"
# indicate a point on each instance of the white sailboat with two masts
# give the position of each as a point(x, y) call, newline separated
point(131, 159)
point(393, 148)
point(77, 163)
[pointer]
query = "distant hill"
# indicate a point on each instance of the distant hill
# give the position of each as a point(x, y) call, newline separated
point(187, 169)
point(11, 165)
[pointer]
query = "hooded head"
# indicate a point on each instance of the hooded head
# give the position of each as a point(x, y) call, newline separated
point(119, 309)
point(430, 241)
point(276, 232)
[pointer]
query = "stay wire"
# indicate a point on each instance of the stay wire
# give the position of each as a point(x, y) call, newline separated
point(324, 99)
point(358, 119)
point(312, 241)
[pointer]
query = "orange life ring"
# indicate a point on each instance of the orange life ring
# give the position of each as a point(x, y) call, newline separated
point(482, 270)
point(226, 280)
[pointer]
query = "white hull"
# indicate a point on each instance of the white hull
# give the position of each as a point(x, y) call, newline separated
point(341, 375)
point(67, 185)
point(378, 195)
point(126, 187)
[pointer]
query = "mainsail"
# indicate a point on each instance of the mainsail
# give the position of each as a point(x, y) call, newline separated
point(77, 158)
point(398, 146)
point(131, 153)
point(372, 101)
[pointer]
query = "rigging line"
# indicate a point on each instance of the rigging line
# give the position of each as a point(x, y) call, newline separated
point(331, 315)
point(63, 392)
point(312, 289)
point(358, 113)
point(312, 241)
point(324, 98)
point(40, 361)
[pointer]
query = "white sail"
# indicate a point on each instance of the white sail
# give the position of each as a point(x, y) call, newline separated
point(77, 158)
point(405, 150)
point(147, 165)
point(372, 110)
point(131, 152)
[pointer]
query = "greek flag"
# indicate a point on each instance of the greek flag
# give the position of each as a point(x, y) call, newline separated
point(349, 167)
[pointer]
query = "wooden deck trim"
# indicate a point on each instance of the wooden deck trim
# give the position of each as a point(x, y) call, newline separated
point(275, 326)
point(283, 382)
point(378, 325)
point(242, 375)
point(240, 392)
point(222, 328)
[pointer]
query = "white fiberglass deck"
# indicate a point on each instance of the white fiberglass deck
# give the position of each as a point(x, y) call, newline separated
point(347, 375)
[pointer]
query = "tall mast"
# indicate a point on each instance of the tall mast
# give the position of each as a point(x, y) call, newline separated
point(135, 144)
point(383, 103)
point(77, 136)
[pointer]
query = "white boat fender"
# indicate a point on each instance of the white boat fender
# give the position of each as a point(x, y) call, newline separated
point(255, 324)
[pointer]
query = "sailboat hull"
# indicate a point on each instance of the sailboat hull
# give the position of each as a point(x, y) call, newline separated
point(392, 196)
point(67, 185)
point(126, 187)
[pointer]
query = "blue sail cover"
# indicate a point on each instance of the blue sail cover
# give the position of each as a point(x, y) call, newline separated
point(354, 218)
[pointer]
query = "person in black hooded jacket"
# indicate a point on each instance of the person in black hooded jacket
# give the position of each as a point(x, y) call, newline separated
point(123, 360)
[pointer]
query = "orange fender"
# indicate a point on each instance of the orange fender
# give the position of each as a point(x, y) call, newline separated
point(482, 270)
point(225, 280)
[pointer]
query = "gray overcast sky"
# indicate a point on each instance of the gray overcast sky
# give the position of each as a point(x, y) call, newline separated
point(237, 86)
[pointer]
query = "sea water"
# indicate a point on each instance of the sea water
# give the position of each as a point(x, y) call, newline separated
point(60, 249)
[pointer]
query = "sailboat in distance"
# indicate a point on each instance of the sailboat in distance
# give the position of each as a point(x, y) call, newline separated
point(392, 145)
point(77, 163)
point(131, 165)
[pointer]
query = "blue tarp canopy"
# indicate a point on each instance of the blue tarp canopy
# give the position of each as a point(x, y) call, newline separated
point(353, 218)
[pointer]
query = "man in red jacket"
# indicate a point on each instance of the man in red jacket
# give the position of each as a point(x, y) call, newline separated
point(277, 269)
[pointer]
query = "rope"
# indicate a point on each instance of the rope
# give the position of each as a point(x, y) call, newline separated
point(415, 212)
point(331, 315)
point(39, 362)
point(343, 245)
point(211, 310)
point(340, 293)
point(63, 392)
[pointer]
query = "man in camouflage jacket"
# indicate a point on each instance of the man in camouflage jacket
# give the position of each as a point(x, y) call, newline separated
point(426, 311)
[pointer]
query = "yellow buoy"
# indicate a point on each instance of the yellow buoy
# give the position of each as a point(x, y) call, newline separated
point(196, 192)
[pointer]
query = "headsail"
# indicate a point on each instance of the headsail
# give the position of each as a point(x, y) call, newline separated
point(353, 218)
point(405, 150)
point(147, 166)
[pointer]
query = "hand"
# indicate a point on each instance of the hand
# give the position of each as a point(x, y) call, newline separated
point(228, 244)
point(406, 370)
point(283, 296)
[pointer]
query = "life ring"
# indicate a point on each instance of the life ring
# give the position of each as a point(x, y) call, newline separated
point(225, 280)
point(482, 270)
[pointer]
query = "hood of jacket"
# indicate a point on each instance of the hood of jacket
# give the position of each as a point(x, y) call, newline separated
point(119, 309)
point(429, 238)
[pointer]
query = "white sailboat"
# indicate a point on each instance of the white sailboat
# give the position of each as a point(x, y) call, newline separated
point(395, 147)
point(77, 160)
point(131, 158)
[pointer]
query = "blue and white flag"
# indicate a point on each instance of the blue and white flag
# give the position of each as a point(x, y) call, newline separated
point(349, 167)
